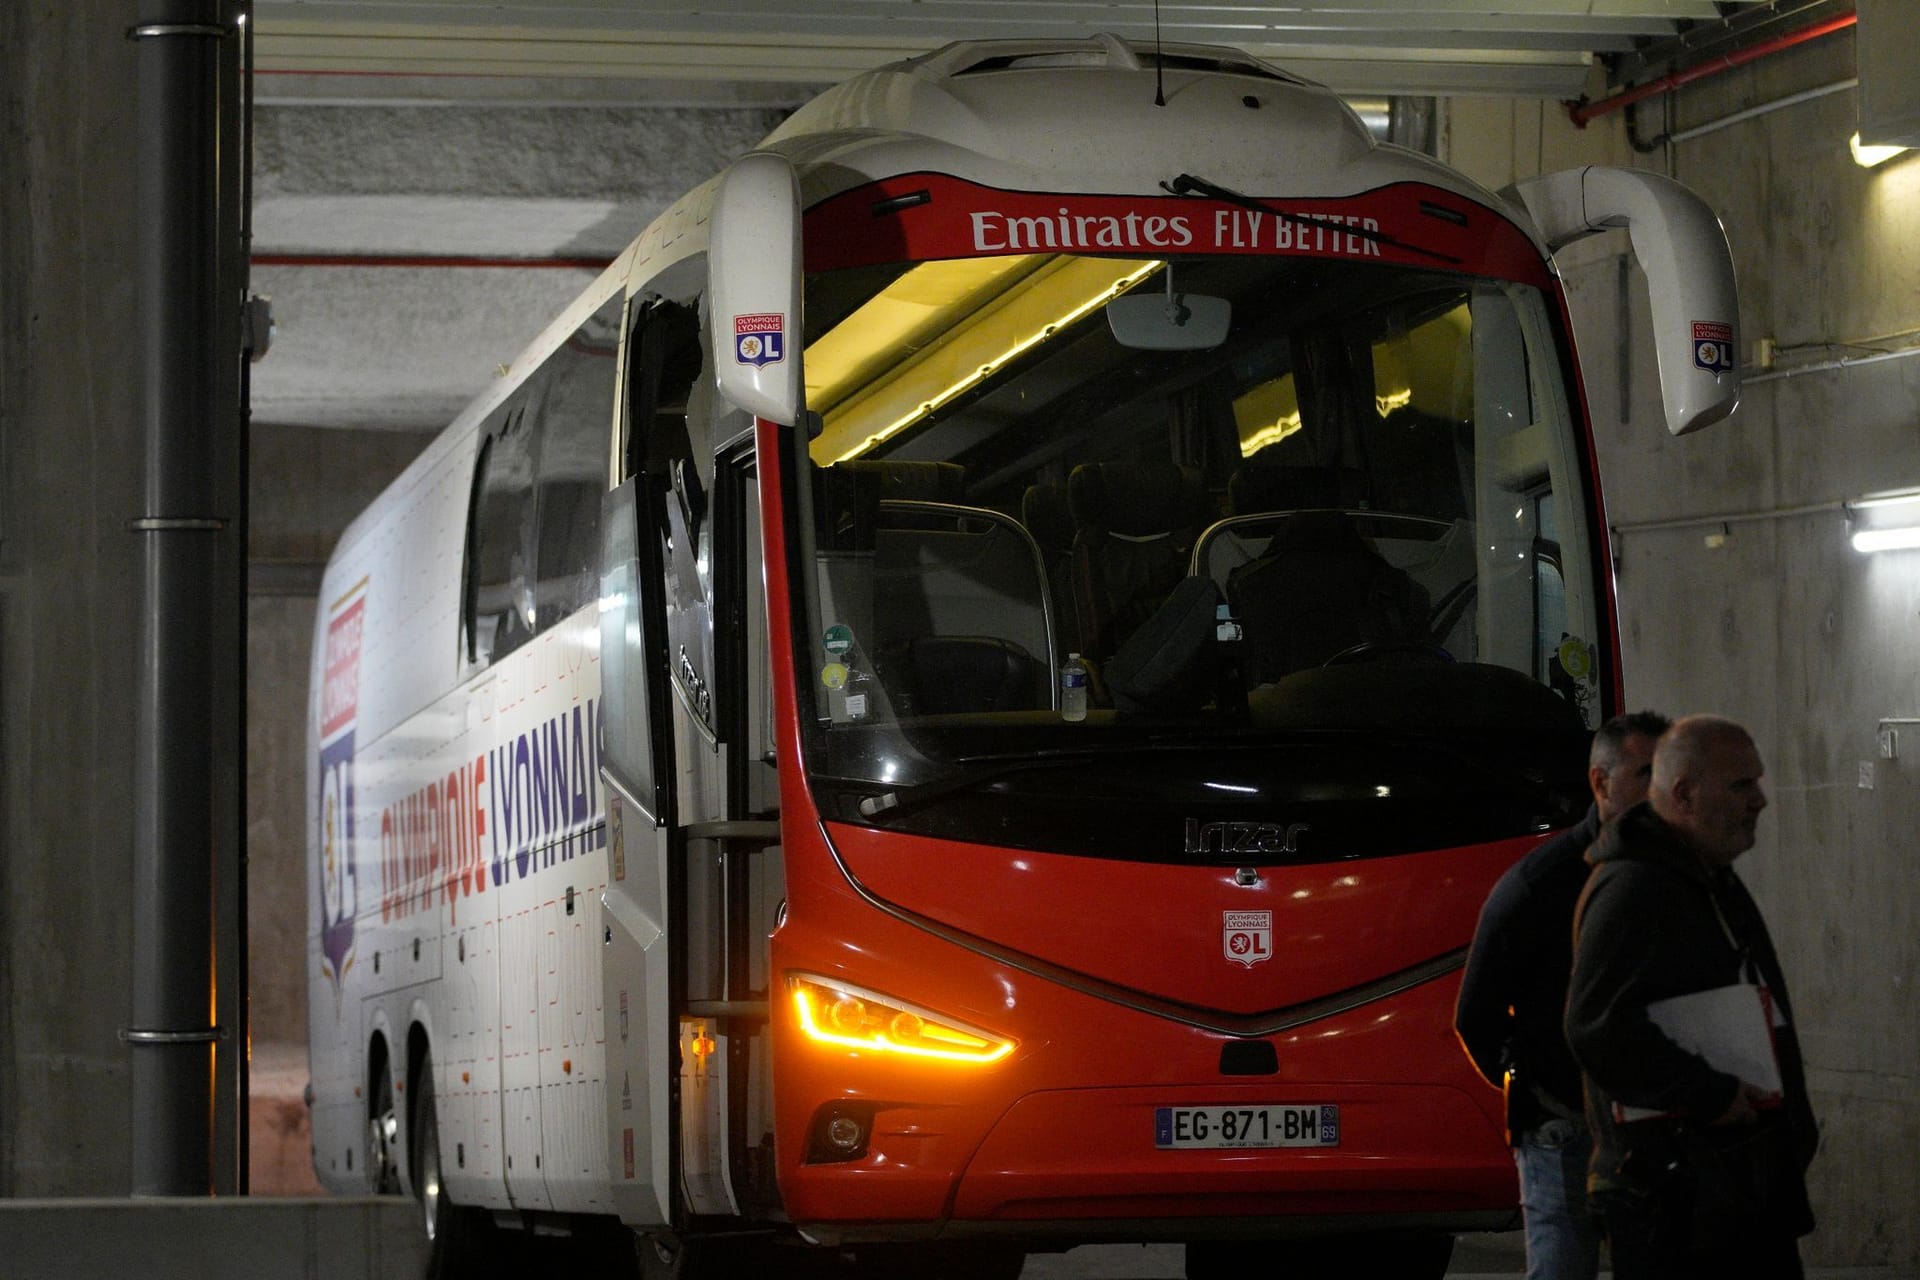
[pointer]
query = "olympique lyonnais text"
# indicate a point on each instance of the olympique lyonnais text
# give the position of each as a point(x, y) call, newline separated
point(542, 790)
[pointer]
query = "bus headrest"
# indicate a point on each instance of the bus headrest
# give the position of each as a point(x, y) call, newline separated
point(1283, 488)
point(889, 479)
point(1137, 499)
point(1043, 509)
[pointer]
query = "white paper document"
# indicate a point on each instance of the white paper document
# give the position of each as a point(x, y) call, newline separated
point(1731, 1027)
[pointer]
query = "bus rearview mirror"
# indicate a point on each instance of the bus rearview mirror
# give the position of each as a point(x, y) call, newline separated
point(754, 291)
point(1682, 248)
point(1171, 322)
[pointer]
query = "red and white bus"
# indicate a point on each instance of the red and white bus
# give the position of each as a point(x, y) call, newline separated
point(964, 698)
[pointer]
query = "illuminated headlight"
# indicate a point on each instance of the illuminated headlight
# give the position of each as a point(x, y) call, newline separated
point(834, 1013)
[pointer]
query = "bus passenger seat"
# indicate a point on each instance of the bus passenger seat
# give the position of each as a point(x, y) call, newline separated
point(1134, 526)
point(1043, 509)
point(954, 675)
point(853, 491)
point(1316, 590)
point(1260, 487)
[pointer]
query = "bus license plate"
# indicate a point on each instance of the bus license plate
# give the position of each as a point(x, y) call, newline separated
point(1295, 1125)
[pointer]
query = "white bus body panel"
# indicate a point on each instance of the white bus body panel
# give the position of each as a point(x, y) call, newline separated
point(450, 903)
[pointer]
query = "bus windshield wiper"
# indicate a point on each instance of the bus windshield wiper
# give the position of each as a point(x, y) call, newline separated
point(1188, 185)
point(902, 800)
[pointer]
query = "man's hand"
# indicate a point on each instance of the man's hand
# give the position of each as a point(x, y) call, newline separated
point(1747, 1105)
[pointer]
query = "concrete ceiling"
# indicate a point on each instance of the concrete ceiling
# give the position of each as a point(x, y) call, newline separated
point(434, 179)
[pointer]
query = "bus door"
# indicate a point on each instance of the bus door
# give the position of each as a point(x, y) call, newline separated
point(692, 834)
point(637, 767)
point(734, 877)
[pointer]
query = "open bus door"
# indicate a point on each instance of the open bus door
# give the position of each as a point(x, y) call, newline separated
point(693, 865)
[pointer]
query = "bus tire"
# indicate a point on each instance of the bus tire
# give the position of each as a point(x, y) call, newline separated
point(383, 1132)
point(458, 1236)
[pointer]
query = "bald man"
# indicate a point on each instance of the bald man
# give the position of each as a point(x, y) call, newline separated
point(1714, 1183)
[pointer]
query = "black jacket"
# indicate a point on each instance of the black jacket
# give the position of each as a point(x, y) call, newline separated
point(1655, 922)
point(1514, 993)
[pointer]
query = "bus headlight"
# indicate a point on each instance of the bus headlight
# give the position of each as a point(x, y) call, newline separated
point(835, 1013)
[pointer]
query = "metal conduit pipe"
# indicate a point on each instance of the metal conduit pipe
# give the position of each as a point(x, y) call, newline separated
point(1845, 505)
point(1714, 126)
point(424, 260)
point(172, 1037)
point(1581, 112)
point(1842, 362)
point(1765, 108)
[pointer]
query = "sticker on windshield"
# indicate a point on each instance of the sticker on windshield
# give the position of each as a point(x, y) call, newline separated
point(838, 640)
point(1571, 672)
point(834, 675)
point(1574, 659)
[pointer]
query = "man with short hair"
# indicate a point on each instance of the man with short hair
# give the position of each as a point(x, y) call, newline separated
point(1514, 995)
point(1709, 1180)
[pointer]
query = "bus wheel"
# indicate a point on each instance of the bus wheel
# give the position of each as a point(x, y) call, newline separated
point(660, 1257)
point(383, 1134)
point(457, 1236)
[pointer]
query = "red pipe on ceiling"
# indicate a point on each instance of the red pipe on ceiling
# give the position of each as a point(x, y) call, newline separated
point(1581, 112)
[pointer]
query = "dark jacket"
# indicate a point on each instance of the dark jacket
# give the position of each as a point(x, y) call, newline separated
point(1514, 993)
point(1656, 922)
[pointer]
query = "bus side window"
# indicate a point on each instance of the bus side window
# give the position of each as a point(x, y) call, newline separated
point(498, 613)
point(575, 416)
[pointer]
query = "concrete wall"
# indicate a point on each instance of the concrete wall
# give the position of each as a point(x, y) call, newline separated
point(70, 479)
point(1775, 620)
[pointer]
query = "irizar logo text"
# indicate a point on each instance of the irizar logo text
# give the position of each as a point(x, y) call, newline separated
point(1243, 837)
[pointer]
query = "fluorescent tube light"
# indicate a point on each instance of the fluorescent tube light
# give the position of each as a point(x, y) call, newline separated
point(1887, 539)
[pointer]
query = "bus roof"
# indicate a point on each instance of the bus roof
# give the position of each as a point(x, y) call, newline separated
point(1083, 116)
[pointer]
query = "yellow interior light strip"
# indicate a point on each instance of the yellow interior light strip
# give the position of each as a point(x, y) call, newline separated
point(903, 318)
point(1386, 404)
point(1273, 434)
point(970, 348)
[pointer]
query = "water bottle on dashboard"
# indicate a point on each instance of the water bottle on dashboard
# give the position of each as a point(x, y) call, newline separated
point(1073, 689)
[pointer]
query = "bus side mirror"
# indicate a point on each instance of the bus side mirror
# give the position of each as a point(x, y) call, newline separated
point(753, 298)
point(1683, 250)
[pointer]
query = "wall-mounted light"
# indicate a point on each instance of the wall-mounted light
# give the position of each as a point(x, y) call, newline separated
point(1867, 155)
point(1886, 536)
point(1886, 539)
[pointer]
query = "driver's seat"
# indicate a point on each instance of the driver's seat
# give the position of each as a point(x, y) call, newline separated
point(1317, 590)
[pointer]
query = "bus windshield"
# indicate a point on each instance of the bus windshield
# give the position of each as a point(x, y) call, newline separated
point(1338, 556)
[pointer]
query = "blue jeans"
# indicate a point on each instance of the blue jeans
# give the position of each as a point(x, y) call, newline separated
point(1563, 1237)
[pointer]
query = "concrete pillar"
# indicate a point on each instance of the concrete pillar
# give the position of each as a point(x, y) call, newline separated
point(69, 482)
